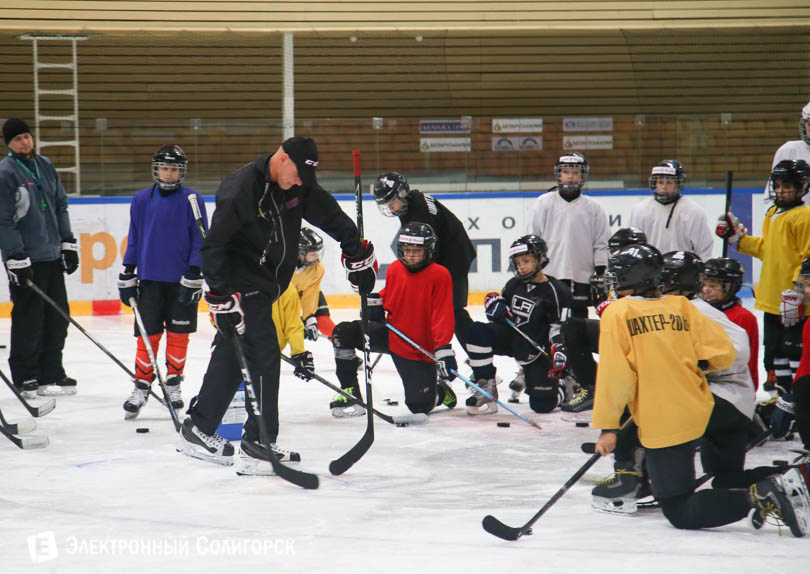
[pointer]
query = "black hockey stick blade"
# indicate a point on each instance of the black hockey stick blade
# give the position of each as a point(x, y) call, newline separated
point(23, 427)
point(588, 447)
point(300, 478)
point(501, 530)
point(26, 442)
point(36, 411)
point(411, 419)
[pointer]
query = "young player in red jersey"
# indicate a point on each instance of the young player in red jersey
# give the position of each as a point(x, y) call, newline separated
point(417, 300)
point(722, 278)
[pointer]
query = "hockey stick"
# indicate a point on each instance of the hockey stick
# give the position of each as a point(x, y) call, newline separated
point(529, 340)
point(26, 442)
point(501, 530)
point(151, 352)
point(345, 462)
point(22, 427)
point(73, 322)
point(195, 209)
point(296, 477)
point(729, 180)
point(39, 411)
point(412, 419)
point(460, 376)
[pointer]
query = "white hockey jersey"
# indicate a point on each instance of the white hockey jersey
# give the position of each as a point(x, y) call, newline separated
point(795, 149)
point(687, 230)
point(576, 233)
point(733, 384)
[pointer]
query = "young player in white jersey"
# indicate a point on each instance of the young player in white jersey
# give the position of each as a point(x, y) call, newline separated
point(671, 221)
point(575, 228)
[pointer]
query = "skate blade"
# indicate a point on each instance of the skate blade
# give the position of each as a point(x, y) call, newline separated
point(348, 412)
point(798, 492)
point(485, 409)
point(201, 454)
point(615, 505)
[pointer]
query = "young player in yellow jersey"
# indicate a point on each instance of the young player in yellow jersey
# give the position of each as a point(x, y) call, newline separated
point(290, 331)
point(653, 351)
point(307, 281)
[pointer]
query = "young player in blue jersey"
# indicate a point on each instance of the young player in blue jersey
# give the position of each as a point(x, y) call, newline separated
point(162, 272)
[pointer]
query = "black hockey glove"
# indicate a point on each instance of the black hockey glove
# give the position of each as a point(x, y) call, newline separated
point(496, 307)
point(19, 270)
point(304, 365)
point(361, 268)
point(311, 328)
point(446, 362)
point(191, 287)
point(782, 416)
point(559, 361)
point(376, 312)
point(127, 286)
point(226, 313)
point(70, 255)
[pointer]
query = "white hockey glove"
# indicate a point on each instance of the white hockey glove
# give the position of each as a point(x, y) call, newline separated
point(729, 227)
point(311, 328)
point(792, 307)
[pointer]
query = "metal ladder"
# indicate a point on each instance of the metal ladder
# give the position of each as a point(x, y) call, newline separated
point(73, 92)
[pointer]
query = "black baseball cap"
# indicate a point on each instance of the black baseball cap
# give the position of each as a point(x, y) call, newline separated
point(304, 154)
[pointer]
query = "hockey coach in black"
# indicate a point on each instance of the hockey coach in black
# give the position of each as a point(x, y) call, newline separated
point(248, 259)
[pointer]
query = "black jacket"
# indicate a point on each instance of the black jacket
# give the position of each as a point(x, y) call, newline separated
point(454, 249)
point(253, 240)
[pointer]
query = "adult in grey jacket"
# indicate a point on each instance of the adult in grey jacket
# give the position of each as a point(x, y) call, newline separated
point(37, 245)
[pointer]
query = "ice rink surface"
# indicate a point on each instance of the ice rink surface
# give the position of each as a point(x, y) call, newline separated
point(102, 498)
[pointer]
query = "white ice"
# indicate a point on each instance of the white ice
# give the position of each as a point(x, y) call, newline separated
point(102, 498)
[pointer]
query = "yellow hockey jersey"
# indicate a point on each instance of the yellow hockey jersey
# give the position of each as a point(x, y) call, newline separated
point(287, 318)
point(785, 242)
point(648, 360)
point(307, 282)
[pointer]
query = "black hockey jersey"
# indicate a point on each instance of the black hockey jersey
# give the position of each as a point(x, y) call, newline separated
point(538, 310)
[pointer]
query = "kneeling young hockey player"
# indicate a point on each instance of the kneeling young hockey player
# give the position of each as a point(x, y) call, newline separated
point(417, 300)
point(307, 278)
point(654, 351)
point(536, 304)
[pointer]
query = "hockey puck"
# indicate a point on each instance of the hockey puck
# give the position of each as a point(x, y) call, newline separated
point(504, 425)
point(142, 430)
point(401, 424)
point(390, 403)
point(583, 424)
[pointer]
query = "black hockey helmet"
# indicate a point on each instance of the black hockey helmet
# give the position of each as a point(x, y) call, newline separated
point(528, 244)
point(729, 271)
point(636, 267)
point(804, 121)
point(626, 236)
point(309, 242)
point(681, 272)
point(419, 235)
point(795, 172)
point(570, 191)
point(389, 186)
point(667, 168)
point(169, 155)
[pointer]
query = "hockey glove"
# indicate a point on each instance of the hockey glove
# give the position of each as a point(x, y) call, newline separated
point(729, 227)
point(127, 286)
point(374, 305)
point(70, 255)
point(792, 307)
point(226, 313)
point(191, 287)
point(446, 362)
point(559, 361)
point(304, 365)
point(311, 328)
point(19, 270)
point(782, 416)
point(496, 307)
point(361, 268)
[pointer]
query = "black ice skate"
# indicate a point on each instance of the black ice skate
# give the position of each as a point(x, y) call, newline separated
point(620, 492)
point(343, 407)
point(196, 444)
point(480, 404)
point(769, 497)
point(255, 460)
point(581, 401)
point(445, 395)
point(66, 386)
point(517, 386)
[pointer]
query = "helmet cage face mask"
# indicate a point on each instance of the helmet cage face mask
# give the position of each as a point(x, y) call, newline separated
point(172, 157)
point(309, 242)
point(669, 168)
point(577, 161)
point(789, 176)
point(391, 186)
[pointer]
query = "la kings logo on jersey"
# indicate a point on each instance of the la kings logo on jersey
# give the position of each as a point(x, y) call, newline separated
point(521, 308)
